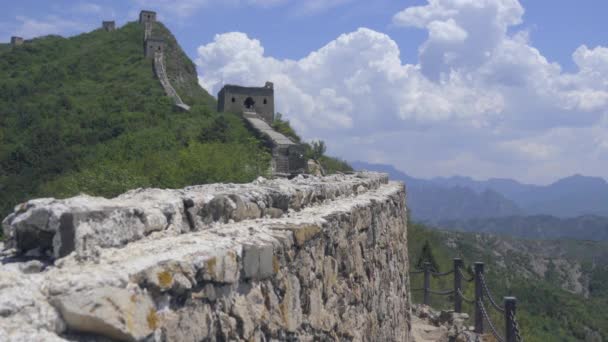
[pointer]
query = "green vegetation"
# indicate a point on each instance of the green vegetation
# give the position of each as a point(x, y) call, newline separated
point(426, 255)
point(86, 114)
point(4, 47)
point(284, 127)
point(314, 150)
point(545, 311)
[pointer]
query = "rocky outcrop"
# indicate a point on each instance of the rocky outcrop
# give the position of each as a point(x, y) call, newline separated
point(442, 326)
point(306, 259)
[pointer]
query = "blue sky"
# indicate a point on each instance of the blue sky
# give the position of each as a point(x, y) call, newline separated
point(485, 88)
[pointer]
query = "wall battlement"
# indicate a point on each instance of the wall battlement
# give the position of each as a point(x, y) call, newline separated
point(147, 17)
point(16, 41)
point(302, 259)
point(108, 25)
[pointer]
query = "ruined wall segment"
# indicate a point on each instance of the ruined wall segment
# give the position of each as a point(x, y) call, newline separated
point(303, 259)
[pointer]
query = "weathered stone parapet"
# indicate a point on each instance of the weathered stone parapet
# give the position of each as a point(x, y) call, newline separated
point(58, 227)
point(333, 266)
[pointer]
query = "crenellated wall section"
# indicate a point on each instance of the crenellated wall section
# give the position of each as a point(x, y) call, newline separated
point(307, 259)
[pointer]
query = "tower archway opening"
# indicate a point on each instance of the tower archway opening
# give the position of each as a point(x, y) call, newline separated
point(249, 103)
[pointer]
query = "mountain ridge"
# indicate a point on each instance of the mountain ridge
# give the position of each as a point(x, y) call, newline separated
point(571, 196)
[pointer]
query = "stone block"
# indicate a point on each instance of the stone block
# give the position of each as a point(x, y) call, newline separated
point(115, 313)
point(223, 268)
point(258, 261)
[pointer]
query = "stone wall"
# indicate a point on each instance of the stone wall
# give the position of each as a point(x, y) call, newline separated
point(161, 72)
point(155, 48)
point(16, 41)
point(108, 25)
point(304, 260)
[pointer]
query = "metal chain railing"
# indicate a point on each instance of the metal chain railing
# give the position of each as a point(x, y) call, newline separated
point(470, 301)
point(489, 294)
point(487, 318)
point(442, 293)
point(516, 332)
point(437, 274)
point(512, 329)
point(468, 280)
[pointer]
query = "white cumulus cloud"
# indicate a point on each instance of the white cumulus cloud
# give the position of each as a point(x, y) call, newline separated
point(481, 93)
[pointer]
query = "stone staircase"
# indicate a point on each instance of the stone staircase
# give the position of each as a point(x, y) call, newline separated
point(281, 143)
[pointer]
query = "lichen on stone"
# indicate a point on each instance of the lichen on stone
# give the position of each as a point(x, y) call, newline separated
point(165, 279)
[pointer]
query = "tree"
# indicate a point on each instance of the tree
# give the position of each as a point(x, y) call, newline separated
point(318, 149)
point(426, 255)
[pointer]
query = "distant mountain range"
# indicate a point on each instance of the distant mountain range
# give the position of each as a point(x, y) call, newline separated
point(457, 198)
point(536, 227)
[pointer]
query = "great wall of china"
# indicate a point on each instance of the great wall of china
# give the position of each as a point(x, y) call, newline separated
point(312, 258)
point(155, 48)
point(302, 259)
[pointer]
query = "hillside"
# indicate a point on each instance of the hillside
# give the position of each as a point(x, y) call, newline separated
point(4, 47)
point(536, 227)
point(560, 285)
point(86, 114)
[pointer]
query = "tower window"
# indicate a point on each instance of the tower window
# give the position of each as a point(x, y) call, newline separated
point(265, 101)
point(233, 100)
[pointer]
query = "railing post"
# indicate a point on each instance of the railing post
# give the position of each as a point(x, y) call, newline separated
point(478, 297)
point(510, 306)
point(457, 285)
point(427, 282)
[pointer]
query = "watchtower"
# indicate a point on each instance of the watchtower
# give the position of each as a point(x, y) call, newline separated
point(234, 98)
point(108, 25)
point(147, 17)
point(153, 45)
point(16, 41)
